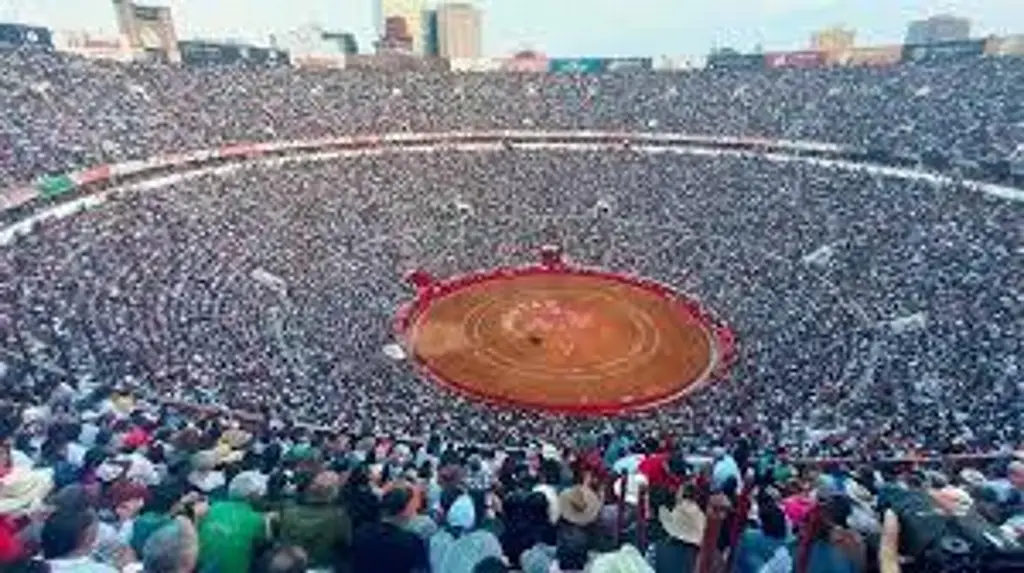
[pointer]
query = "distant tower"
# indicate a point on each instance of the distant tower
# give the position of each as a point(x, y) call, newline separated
point(937, 29)
point(411, 11)
point(149, 28)
point(458, 31)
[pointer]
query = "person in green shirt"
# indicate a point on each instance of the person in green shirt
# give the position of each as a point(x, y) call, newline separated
point(232, 531)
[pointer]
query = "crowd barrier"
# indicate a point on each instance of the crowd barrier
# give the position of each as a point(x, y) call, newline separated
point(53, 189)
point(50, 188)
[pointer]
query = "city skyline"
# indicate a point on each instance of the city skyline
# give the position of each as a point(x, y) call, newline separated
point(565, 28)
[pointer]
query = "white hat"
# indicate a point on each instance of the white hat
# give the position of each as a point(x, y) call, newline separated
point(972, 477)
point(634, 483)
point(34, 414)
point(625, 560)
point(549, 493)
point(24, 489)
point(248, 485)
point(550, 452)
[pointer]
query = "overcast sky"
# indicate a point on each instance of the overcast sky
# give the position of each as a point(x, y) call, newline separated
point(559, 27)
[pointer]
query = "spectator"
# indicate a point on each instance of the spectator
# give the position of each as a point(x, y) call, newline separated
point(232, 531)
point(68, 538)
point(459, 547)
point(833, 546)
point(684, 526)
point(174, 548)
point(386, 546)
point(318, 525)
point(758, 545)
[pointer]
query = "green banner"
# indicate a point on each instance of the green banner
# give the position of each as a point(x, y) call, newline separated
point(54, 186)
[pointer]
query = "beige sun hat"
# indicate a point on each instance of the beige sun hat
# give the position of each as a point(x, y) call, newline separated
point(24, 489)
point(579, 505)
point(685, 522)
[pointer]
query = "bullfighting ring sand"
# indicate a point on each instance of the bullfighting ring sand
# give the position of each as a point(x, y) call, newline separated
point(568, 342)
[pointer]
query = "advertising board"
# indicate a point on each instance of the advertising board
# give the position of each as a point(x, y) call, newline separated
point(727, 60)
point(802, 59)
point(870, 56)
point(196, 53)
point(576, 65)
point(14, 36)
point(679, 63)
point(525, 62)
point(319, 61)
point(395, 62)
point(476, 65)
point(943, 51)
point(628, 64)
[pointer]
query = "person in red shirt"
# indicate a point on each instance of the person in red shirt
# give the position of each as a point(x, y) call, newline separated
point(665, 470)
point(11, 548)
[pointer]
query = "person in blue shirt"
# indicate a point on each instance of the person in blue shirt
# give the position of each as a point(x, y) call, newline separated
point(757, 546)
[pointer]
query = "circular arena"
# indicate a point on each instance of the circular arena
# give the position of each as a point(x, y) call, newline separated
point(564, 339)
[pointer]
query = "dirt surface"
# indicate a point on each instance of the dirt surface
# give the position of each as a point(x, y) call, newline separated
point(562, 342)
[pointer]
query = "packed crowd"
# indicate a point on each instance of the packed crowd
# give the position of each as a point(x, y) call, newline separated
point(62, 112)
point(867, 307)
point(877, 315)
point(95, 481)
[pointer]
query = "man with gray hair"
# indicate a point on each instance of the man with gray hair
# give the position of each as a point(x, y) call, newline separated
point(233, 531)
point(174, 548)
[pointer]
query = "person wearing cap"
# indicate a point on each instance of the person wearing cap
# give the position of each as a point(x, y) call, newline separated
point(318, 525)
point(459, 546)
point(232, 530)
point(386, 545)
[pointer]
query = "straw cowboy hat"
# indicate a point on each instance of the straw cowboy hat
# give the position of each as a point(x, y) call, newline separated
point(24, 489)
point(685, 522)
point(579, 505)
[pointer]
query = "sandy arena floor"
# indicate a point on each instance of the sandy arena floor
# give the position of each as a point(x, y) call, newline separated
point(570, 343)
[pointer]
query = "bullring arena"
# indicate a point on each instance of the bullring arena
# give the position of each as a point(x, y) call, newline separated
point(808, 339)
point(560, 338)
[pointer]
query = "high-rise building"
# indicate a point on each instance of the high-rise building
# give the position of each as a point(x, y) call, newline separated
point(148, 28)
point(831, 40)
point(458, 31)
point(430, 39)
point(943, 28)
point(411, 11)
